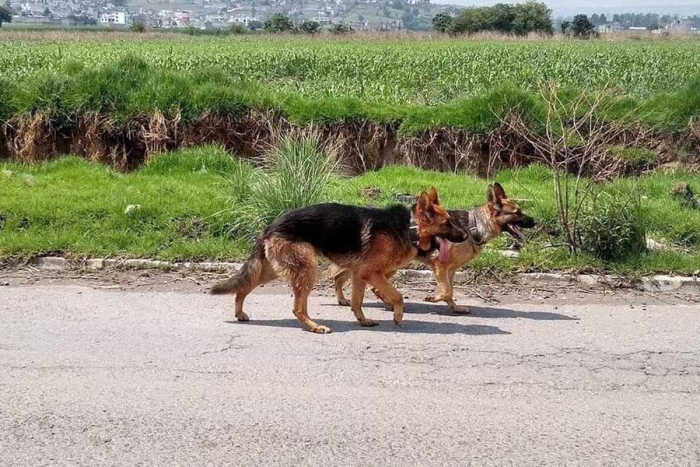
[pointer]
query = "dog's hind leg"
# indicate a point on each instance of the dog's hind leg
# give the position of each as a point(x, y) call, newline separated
point(339, 280)
point(358, 295)
point(266, 274)
point(296, 262)
point(389, 294)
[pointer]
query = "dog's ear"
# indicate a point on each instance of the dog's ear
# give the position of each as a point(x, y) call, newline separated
point(500, 192)
point(424, 207)
point(433, 196)
point(493, 198)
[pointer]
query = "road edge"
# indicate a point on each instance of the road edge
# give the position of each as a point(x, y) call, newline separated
point(656, 283)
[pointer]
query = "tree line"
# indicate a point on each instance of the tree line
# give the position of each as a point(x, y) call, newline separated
point(519, 19)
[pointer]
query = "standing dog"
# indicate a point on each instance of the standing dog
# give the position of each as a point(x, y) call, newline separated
point(368, 243)
point(482, 224)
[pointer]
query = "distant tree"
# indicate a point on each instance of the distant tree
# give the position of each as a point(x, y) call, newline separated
point(595, 19)
point(310, 27)
point(582, 27)
point(278, 23)
point(137, 26)
point(520, 19)
point(471, 20)
point(616, 18)
point(5, 15)
point(361, 18)
point(47, 12)
point(442, 22)
point(532, 17)
point(565, 27)
point(341, 28)
point(603, 19)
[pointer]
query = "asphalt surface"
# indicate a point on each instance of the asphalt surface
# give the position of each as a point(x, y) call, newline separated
point(111, 377)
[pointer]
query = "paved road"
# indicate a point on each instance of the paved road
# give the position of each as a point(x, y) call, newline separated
point(102, 377)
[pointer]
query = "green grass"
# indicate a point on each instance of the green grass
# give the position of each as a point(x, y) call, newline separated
point(73, 207)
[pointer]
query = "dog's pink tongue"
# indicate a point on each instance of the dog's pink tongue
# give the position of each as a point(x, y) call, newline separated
point(442, 249)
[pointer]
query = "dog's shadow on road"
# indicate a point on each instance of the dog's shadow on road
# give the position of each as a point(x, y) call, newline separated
point(413, 325)
point(476, 312)
point(409, 327)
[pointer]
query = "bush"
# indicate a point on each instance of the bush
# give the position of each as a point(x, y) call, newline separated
point(613, 226)
point(237, 29)
point(341, 29)
point(137, 27)
point(442, 22)
point(636, 159)
point(310, 27)
point(297, 173)
point(278, 23)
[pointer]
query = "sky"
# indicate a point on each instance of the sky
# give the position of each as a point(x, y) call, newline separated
point(584, 6)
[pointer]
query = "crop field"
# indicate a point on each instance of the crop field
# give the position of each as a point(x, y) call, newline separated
point(422, 72)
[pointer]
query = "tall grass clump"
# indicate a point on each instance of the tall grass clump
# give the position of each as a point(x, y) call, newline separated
point(296, 171)
point(613, 226)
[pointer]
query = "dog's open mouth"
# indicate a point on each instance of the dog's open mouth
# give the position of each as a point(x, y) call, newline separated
point(515, 232)
point(442, 247)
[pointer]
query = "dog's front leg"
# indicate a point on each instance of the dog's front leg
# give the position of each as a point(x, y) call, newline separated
point(389, 294)
point(444, 277)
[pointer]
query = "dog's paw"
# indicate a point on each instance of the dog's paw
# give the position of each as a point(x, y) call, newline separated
point(368, 323)
point(432, 298)
point(460, 310)
point(343, 302)
point(242, 317)
point(321, 330)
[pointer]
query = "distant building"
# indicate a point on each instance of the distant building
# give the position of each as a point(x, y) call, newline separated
point(245, 20)
point(117, 18)
point(680, 26)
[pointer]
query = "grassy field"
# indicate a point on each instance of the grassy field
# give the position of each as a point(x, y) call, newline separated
point(182, 209)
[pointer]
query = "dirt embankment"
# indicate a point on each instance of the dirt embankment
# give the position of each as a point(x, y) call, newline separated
point(363, 145)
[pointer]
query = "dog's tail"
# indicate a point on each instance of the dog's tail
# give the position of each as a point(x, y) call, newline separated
point(247, 276)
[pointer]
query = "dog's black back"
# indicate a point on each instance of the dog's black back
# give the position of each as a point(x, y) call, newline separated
point(334, 228)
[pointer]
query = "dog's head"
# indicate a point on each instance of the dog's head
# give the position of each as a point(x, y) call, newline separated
point(507, 214)
point(434, 223)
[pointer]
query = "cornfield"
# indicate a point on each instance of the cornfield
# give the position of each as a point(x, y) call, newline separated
point(423, 73)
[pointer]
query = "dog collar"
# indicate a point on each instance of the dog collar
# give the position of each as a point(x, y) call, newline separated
point(473, 231)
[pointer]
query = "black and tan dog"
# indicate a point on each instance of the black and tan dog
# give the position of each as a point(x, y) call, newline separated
point(482, 224)
point(368, 243)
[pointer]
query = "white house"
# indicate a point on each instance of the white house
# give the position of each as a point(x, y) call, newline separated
point(118, 18)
